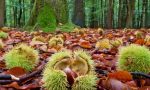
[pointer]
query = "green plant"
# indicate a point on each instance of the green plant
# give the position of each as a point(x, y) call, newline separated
point(3, 35)
point(46, 19)
point(134, 58)
point(70, 70)
point(68, 27)
point(22, 56)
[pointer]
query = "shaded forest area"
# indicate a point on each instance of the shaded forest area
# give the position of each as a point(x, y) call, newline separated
point(84, 13)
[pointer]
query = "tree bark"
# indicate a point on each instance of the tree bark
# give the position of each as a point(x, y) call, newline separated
point(130, 7)
point(61, 10)
point(2, 13)
point(52, 11)
point(119, 14)
point(110, 14)
point(79, 15)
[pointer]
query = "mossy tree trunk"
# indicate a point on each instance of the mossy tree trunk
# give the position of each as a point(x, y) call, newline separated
point(46, 14)
point(79, 15)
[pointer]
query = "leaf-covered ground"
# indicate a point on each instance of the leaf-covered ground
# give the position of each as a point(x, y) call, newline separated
point(105, 58)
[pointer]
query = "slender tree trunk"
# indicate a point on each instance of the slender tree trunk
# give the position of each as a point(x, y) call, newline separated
point(110, 14)
point(130, 7)
point(79, 15)
point(119, 14)
point(20, 14)
point(2, 12)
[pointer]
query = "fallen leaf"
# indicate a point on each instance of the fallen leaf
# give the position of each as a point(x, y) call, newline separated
point(121, 75)
point(16, 71)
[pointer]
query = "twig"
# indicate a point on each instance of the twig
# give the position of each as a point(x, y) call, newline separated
point(23, 78)
point(140, 74)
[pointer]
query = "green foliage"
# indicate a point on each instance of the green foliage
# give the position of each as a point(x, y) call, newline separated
point(46, 19)
point(22, 56)
point(60, 9)
point(134, 58)
point(3, 35)
point(68, 27)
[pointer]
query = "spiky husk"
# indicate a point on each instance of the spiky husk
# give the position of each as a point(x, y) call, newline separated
point(134, 58)
point(138, 34)
point(103, 44)
point(22, 56)
point(117, 42)
point(55, 80)
point(147, 39)
point(39, 38)
point(55, 40)
point(100, 31)
point(3, 35)
point(87, 82)
point(1, 44)
point(85, 57)
point(55, 58)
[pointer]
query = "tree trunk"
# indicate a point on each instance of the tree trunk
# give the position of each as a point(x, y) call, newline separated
point(110, 14)
point(2, 12)
point(61, 10)
point(130, 7)
point(119, 14)
point(79, 15)
point(45, 13)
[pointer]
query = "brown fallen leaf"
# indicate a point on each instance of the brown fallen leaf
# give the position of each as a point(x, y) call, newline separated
point(121, 75)
point(85, 44)
point(16, 71)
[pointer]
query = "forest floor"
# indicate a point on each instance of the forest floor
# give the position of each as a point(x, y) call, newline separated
point(105, 59)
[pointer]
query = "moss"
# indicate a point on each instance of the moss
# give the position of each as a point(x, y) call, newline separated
point(22, 56)
point(68, 27)
point(46, 19)
point(3, 35)
point(60, 8)
point(134, 58)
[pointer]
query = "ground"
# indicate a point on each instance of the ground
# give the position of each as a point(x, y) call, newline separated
point(105, 58)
